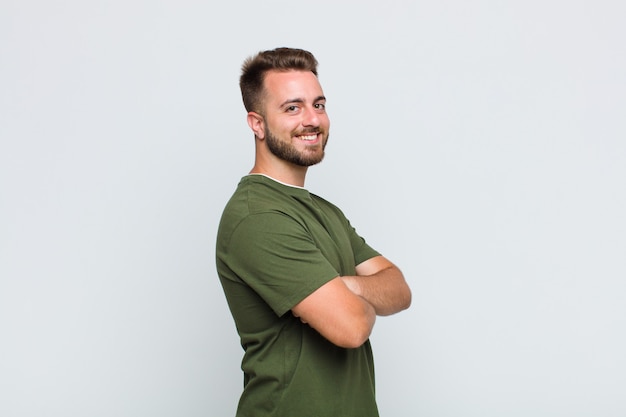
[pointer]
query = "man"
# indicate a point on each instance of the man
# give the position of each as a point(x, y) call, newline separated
point(303, 287)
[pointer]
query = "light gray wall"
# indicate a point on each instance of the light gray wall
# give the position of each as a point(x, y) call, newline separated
point(480, 145)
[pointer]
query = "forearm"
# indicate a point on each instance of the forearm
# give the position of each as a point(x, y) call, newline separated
point(386, 290)
point(338, 314)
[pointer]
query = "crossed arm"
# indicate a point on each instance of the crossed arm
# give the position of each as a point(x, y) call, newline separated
point(344, 309)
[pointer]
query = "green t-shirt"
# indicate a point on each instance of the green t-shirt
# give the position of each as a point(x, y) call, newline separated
point(277, 244)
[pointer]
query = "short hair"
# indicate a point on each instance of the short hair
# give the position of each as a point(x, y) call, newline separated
point(256, 67)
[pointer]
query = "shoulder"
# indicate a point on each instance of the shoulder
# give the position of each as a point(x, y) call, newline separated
point(323, 201)
point(328, 207)
point(259, 206)
point(260, 193)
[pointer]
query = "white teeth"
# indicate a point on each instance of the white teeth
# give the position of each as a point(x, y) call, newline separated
point(309, 137)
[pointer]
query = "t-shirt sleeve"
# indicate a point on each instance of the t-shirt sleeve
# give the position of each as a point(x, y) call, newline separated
point(361, 250)
point(278, 259)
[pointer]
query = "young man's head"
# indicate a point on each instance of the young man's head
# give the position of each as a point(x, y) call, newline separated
point(255, 69)
point(286, 105)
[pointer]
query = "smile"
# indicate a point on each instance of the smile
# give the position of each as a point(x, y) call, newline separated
point(307, 137)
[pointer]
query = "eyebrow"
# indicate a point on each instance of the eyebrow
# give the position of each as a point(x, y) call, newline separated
point(300, 100)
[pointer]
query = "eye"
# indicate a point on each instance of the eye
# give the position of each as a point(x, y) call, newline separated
point(320, 106)
point(291, 109)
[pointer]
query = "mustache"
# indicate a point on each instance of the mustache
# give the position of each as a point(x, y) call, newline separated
point(309, 131)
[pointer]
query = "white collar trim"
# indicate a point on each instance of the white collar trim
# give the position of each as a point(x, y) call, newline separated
point(280, 182)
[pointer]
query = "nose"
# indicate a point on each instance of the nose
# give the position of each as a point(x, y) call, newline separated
point(311, 117)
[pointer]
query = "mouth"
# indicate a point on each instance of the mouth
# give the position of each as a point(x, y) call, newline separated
point(309, 136)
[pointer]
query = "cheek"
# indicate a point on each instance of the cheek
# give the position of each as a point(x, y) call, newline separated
point(325, 122)
point(283, 127)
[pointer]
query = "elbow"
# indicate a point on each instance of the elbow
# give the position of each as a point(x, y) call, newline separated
point(407, 299)
point(357, 330)
point(355, 337)
point(402, 301)
point(404, 298)
point(353, 345)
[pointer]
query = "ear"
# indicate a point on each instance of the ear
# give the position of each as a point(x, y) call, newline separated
point(257, 124)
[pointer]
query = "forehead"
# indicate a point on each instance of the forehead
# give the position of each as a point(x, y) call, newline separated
point(289, 85)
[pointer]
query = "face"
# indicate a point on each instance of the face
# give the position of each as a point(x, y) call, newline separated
point(296, 124)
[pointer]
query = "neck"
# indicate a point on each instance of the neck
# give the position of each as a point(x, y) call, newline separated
point(292, 175)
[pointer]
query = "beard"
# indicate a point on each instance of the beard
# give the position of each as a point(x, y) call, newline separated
point(288, 152)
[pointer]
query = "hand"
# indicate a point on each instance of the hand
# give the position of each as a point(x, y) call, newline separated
point(301, 319)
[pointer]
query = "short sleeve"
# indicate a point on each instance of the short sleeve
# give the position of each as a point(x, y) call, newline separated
point(278, 259)
point(361, 250)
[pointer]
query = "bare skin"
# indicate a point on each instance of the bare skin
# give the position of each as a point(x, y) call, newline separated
point(343, 310)
point(294, 104)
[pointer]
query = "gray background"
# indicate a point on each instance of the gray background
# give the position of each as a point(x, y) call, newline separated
point(480, 145)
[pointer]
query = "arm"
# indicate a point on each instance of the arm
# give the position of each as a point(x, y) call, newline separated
point(338, 314)
point(382, 284)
